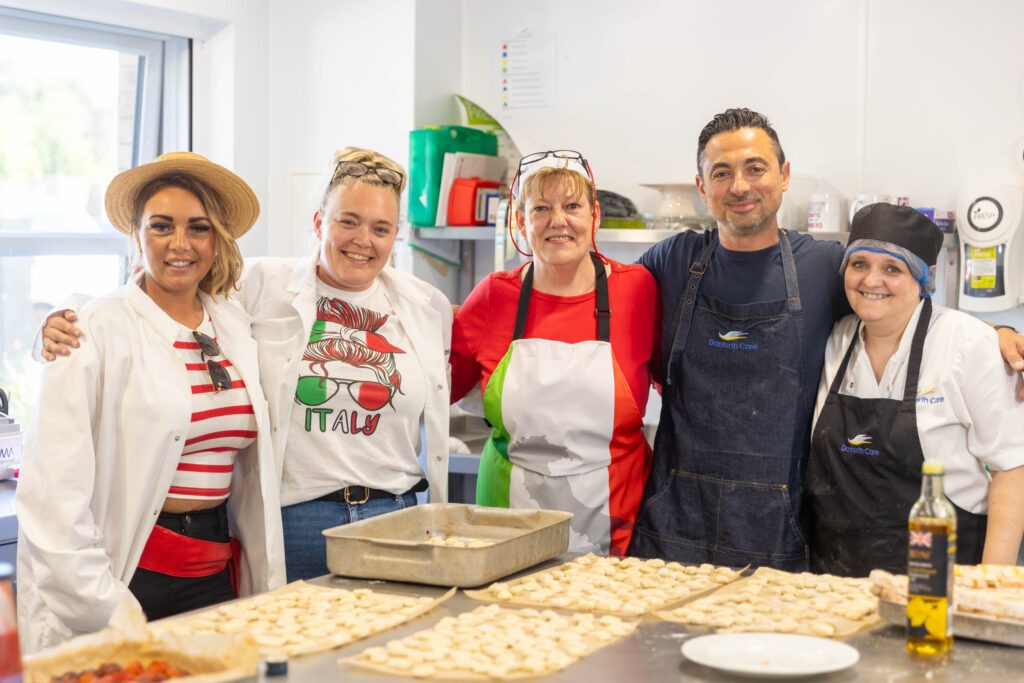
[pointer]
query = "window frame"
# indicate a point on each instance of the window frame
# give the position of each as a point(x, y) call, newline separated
point(162, 120)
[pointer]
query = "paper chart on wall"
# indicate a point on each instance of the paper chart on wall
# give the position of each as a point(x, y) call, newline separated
point(526, 69)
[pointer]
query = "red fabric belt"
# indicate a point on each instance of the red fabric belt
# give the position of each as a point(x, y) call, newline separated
point(175, 555)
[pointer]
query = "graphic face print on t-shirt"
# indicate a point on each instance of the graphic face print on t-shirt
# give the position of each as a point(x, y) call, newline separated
point(352, 376)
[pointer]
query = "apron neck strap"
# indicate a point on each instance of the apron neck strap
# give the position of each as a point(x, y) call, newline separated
point(916, 353)
point(524, 303)
point(602, 310)
point(789, 270)
point(684, 312)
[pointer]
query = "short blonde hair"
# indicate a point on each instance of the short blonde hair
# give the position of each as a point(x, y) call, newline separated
point(537, 182)
point(227, 258)
point(369, 158)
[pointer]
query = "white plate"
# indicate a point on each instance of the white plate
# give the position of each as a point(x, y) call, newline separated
point(770, 655)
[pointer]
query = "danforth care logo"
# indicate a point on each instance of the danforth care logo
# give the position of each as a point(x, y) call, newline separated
point(859, 445)
point(733, 339)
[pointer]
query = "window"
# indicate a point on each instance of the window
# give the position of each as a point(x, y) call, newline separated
point(79, 102)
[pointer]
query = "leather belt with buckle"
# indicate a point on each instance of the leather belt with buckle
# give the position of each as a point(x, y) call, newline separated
point(357, 495)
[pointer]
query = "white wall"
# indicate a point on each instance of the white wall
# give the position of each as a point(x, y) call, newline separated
point(341, 74)
point(912, 97)
point(901, 97)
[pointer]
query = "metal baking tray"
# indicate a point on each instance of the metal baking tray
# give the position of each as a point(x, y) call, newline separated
point(965, 625)
point(396, 546)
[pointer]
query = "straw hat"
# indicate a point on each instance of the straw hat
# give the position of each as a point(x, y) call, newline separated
point(241, 208)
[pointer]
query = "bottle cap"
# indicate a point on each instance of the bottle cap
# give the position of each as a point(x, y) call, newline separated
point(274, 665)
point(933, 467)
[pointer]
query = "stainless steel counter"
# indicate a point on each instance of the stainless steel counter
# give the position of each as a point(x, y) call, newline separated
point(653, 653)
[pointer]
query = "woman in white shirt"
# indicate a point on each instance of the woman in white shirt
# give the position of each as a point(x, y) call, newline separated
point(354, 361)
point(148, 472)
point(906, 380)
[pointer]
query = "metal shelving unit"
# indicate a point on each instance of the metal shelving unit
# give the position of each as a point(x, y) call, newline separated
point(487, 233)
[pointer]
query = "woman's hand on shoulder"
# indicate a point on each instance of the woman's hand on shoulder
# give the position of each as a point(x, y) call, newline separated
point(60, 334)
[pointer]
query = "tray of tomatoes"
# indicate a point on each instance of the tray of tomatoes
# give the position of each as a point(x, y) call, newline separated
point(132, 672)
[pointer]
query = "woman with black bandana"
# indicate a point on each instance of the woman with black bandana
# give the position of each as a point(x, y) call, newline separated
point(906, 380)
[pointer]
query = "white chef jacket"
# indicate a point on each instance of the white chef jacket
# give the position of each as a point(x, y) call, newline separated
point(280, 294)
point(100, 452)
point(967, 416)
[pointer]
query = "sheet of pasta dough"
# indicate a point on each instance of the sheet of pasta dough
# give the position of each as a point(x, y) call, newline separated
point(495, 643)
point(302, 618)
point(609, 585)
point(771, 600)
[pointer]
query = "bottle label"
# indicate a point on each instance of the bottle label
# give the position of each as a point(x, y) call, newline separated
point(930, 557)
point(815, 215)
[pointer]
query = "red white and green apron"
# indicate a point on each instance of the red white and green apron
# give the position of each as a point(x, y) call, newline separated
point(567, 432)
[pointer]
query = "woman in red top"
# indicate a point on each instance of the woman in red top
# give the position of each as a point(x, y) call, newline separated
point(561, 348)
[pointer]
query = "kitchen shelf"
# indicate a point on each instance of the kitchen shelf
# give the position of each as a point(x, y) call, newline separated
point(485, 232)
point(606, 235)
point(609, 235)
point(949, 240)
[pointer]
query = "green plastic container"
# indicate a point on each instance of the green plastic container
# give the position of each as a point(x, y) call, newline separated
point(427, 148)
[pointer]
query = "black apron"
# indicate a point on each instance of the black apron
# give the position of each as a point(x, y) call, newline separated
point(730, 450)
point(864, 475)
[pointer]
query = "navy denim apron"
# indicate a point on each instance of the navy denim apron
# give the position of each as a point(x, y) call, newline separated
point(725, 485)
point(861, 493)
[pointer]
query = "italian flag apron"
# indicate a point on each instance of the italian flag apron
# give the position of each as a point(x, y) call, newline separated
point(567, 432)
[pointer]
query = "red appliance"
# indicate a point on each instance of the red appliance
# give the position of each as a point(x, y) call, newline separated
point(467, 202)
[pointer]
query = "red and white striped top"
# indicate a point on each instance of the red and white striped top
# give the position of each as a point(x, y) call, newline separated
point(222, 423)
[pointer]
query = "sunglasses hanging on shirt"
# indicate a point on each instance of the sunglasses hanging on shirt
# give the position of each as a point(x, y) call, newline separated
point(219, 377)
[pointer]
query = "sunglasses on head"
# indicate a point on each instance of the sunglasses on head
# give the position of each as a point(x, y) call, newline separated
point(561, 156)
point(219, 377)
point(357, 169)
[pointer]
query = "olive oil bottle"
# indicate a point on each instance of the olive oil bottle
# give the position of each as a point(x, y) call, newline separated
point(931, 553)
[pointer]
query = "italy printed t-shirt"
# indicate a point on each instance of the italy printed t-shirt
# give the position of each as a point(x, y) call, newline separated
point(358, 400)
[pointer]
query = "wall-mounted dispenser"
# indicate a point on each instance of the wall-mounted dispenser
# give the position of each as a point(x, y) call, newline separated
point(988, 220)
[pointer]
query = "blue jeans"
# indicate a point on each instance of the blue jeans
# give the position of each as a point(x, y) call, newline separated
point(305, 547)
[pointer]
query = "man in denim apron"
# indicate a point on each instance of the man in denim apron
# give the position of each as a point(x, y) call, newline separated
point(748, 309)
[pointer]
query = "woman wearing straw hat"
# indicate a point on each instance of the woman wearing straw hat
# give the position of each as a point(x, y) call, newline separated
point(561, 349)
point(906, 380)
point(149, 459)
point(354, 358)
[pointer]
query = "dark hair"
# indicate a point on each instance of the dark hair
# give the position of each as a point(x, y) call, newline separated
point(734, 119)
